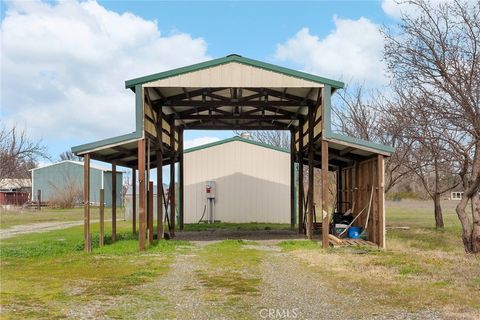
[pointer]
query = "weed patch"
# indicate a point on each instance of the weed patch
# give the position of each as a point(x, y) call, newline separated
point(290, 245)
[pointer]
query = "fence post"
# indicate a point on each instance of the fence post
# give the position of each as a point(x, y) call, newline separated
point(102, 217)
point(39, 199)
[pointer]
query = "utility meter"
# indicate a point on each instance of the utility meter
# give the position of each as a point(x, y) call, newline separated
point(210, 189)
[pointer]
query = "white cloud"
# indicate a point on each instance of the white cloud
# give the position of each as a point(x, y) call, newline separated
point(352, 51)
point(64, 64)
point(395, 8)
point(195, 142)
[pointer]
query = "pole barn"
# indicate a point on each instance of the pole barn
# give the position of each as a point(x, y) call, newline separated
point(237, 93)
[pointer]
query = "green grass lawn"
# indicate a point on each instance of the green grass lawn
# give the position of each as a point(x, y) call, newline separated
point(44, 273)
point(9, 219)
point(40, 272)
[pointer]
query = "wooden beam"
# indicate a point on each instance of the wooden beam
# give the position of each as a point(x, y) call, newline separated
point(181, 202)
point(311, 173)
point(250, 103)
point(211, 126)
point(346, 151)
point(141, 192)
point(171, 100)
point(114, 202)
point(339, 188)
point(283, 95)
point(86, 203)
point(134, 201)
point(301, 191)
point(172, 182)
point(150, 212)
point(267, 117)
point(159, 194)
point(102, 217)
point(159, 93)
point(381, 200)
point(292, 179)
point(325, 217)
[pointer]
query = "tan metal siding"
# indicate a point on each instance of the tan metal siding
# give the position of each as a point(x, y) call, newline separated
point(233, 74)
point(252, 183)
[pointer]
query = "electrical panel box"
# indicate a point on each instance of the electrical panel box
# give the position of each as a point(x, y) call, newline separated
point(210, 189)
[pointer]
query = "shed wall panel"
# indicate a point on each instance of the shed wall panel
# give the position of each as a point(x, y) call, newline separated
point(252, 183)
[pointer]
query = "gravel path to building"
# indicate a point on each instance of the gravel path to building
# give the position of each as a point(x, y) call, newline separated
point(36, 227)
point(289, 288)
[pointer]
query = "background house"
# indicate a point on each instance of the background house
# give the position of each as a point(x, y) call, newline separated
point(15, 191)
point(68, 175)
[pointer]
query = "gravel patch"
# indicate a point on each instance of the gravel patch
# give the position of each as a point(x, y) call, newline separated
point(37, 227)
point(289, 288)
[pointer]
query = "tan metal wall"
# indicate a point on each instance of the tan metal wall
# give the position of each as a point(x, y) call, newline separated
point(252, 183)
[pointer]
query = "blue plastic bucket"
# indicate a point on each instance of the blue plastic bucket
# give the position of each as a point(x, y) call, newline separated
point(354, 232)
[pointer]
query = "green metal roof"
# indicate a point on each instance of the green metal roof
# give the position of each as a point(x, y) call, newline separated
point(236, 138)
point(360, 142)
point(232, 58)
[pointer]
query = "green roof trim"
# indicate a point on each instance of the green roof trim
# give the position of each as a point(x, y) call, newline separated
point(236, 138)
point(232, 58)
point(361, 142)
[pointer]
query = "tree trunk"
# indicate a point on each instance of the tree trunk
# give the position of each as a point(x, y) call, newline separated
point(438, 211)
point(475, 237)
point(466, 231)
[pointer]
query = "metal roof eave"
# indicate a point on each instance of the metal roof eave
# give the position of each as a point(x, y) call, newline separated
point(105, 143)
point(361, 144)
point(130, 84)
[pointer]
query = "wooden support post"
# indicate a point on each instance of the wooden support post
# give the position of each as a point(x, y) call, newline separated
point(301, 190)
point(292, 179)
point(39, 199)
point(340, 189)
point(159, 155)
point(181, 201)
point(86, 203)
point(356, 187)
point(134, 201)
point(114, 201)
point(325, 220)
point(149, 231)
point(102, 217)
point(172, 180)
point(150, 212)
point(381, 200)
point(141, 192)
point(159, 194)
point(311, 124)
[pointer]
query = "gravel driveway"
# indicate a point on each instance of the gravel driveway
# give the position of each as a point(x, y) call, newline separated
point(37, 227)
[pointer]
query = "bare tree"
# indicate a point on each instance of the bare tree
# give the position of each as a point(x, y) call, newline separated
point(68, 155)
point(18, 152)
point(363, 115)
point(435, 52)
point(431, 156)
point(277, 138)
point(126, 183)
point(66, 195)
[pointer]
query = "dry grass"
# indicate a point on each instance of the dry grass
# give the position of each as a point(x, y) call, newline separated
point(422, 269)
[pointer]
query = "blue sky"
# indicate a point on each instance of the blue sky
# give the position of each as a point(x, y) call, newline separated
point(63, 64)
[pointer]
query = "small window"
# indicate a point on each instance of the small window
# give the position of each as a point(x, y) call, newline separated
point(457, 195)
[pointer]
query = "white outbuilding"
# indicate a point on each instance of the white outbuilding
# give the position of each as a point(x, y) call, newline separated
point(237, 180)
